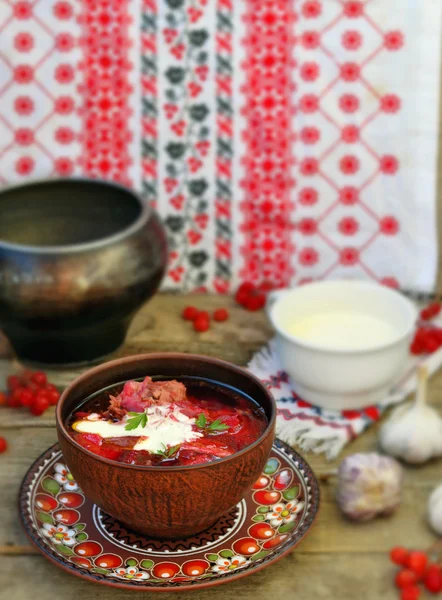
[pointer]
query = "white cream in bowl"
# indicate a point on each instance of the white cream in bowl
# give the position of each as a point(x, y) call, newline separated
point(342, 342)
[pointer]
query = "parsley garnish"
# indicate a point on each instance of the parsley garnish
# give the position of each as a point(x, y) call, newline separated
point(168, 452)
point(201, 423)
point(136, 420)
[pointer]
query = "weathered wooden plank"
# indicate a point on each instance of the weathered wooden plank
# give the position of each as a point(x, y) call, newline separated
point(300, 576)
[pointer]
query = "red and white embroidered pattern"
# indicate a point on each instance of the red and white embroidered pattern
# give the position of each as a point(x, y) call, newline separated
point(39, 126)
point(340, 154)
point(267, 203)
point(224, 147)
point(106, 90)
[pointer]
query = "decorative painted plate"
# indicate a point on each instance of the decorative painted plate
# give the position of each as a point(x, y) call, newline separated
point(77, 536)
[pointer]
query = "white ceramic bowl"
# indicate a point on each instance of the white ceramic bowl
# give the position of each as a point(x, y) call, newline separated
point(336, 377)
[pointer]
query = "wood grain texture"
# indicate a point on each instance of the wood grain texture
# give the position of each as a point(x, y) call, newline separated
point(338, 559)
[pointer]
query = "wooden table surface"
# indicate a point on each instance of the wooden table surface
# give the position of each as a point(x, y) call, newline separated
point(338, 560)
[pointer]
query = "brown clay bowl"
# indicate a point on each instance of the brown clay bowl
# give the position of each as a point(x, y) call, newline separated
point(165, 502)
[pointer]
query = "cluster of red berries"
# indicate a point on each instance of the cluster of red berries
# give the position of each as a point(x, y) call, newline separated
point(428, 337)
point(201, 318)
point(416, 569)
point(30, 390)
point(250, 297)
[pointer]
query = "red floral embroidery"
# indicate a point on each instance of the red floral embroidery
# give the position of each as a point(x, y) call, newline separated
point(309, 166)
point(351, 40)
point(353, 9)
point(310, 135)
point(349, 71)
point(64, 166)
point(311, 9)
point(349, 196)
point(349, 257)
point(308, 196)
point(390, 103)
point(269, 70)
point(64, 105)
point(64, 42)
point(349, 103)
point(23, 74)
point(348, 226)
point(63, 10)
point(64, 73)
point(394, 40)
point(310, 40)
point(309, 103)
point(23, 42)
point(310, 71)
point(388, 164)
point(24, 165)
point(23, 105)
point(389, 225)
point(24, 136)
point(106, 89)
point(390, 282)
point(349, 164)
point(308, 257)
point(350, 134)
point(22, 10)
point(308, 226)
point(328, 163)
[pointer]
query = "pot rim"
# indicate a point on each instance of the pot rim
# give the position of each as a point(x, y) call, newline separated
point(145, 214)
point(170, 356)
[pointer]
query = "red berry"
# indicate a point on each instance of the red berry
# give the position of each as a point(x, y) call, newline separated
point(53, 396)
point(417, 347)
point(13, 401)
point(431, 569)
point(221, 314)
point(202, 322)
point(431, 345)
point(241, 297)
point(425, 314)
point(405, 578)
point(40, 404)
point(247, 287)
point(434, 309)
point(190, 313)
point(417, 562)
point(433, 580)
point(39, 378)
point(399, 555)
point(410, 593)
point(3, 399)
point(13, 382)
point(3, 445)
point(255, 302)
point(26, 397)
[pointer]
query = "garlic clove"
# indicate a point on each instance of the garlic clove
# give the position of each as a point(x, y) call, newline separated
point(413, 433)
point(435, 510)
point(368, 485)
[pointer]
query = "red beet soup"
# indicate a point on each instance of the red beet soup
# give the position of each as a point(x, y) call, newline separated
point(168, 422)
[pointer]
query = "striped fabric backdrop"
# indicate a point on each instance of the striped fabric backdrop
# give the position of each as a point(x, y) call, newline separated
point(281, 140)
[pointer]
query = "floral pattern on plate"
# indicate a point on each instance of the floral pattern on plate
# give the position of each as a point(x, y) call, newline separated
point(68, 529)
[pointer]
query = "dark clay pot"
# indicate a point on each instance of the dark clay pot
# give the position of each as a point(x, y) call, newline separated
point(165, 502)
point(77, 259)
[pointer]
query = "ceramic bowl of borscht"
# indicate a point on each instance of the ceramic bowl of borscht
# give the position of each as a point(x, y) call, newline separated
point(166, 443)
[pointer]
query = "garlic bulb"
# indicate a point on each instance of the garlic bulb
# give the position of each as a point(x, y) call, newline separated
point(435, 510)
point(368, 485)
point(413, 432)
